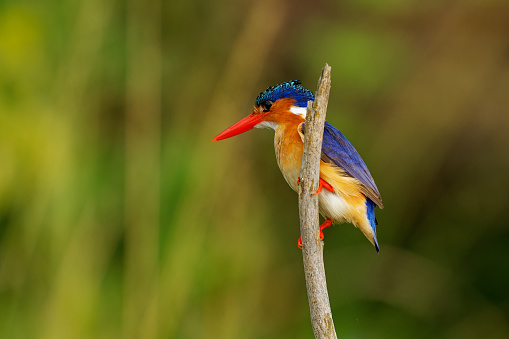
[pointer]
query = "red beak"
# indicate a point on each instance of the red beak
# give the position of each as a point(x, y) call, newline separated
point(242, 126)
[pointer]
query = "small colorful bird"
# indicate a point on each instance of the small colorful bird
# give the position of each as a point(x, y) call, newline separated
point(350, 193)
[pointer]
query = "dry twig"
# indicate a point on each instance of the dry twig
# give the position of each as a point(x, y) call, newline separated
point(321, 315)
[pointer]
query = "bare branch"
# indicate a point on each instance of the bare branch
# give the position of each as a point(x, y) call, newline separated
point(321, 315)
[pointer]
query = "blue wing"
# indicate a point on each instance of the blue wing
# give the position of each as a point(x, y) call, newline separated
point(338, 150)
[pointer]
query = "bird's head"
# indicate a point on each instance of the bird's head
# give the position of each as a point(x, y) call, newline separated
point(276, 105)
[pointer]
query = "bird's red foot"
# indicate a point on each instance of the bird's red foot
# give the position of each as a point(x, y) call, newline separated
point(323, 226)
point(321, 184)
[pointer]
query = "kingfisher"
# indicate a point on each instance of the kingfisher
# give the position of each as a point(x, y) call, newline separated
point(346, 190)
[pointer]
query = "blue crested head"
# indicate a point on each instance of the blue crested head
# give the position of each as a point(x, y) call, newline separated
point(289, 89)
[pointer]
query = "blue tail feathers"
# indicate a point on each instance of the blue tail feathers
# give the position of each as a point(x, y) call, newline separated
point(370, 211)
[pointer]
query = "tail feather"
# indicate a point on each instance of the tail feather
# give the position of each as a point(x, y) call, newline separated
point(370, 211)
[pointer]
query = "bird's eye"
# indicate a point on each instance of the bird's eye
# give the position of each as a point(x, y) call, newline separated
point(267, 105)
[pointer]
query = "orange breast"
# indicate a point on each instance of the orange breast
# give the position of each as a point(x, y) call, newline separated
point(288, 146)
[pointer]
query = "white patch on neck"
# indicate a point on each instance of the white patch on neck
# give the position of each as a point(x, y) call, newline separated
point(267, 124)
point(299, 110)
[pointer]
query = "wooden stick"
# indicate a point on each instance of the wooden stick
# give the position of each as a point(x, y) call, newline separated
point(319, 305)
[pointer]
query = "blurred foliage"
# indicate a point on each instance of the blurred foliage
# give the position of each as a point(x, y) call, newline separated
point(120, 218)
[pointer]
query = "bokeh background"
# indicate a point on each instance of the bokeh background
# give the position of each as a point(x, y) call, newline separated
point(120, 218)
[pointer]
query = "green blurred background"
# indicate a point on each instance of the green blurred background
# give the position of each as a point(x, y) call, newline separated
point(119, 218)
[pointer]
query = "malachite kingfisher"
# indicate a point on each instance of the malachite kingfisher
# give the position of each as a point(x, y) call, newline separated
point(347, 191)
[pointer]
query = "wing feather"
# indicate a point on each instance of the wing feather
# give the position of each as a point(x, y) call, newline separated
point(336, 149)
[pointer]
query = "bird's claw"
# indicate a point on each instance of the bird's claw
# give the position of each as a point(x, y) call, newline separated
point(301, 246)
point(326, 224)
point(321, 184)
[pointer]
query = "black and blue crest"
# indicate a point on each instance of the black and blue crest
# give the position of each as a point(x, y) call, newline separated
point(289, 89)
